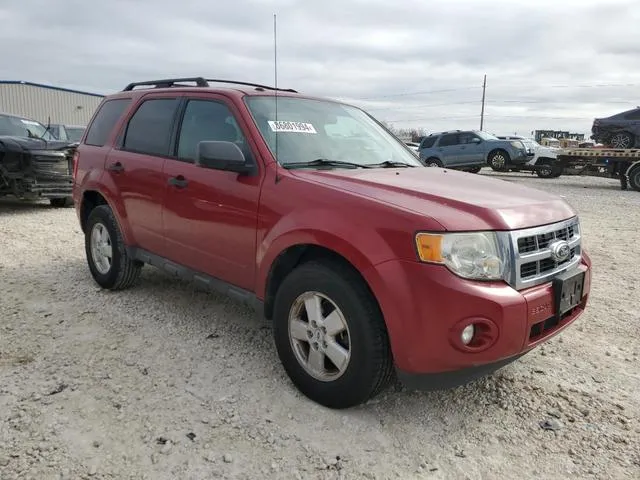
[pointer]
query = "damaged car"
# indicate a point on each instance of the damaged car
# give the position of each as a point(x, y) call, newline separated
point(34, 164)
point(621, 130)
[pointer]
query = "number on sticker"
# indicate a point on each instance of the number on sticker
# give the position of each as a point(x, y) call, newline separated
point(298, 127)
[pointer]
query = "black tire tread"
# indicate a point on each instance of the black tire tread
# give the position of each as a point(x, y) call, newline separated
point(507, 159)
point(634, 177)
point(129, 269)
point(434, 160)
point(61, 202)
point(383, 360)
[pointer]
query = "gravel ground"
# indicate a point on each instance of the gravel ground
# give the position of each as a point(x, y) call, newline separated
point(165, 381)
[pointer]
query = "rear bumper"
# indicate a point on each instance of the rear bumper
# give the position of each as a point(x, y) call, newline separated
point(427, 306)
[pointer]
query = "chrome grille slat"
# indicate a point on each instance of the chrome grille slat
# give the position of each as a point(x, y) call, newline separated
point(532, 263)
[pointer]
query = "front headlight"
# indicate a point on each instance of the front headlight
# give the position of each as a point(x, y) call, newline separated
point(475, 255)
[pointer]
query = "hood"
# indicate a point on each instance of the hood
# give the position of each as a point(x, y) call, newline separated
point(544, 151)
point(456, 200)
point(26, 143)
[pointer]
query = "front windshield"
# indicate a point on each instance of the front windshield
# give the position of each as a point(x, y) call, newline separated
point(23, 127)
point(309, 130)
point(486, 136)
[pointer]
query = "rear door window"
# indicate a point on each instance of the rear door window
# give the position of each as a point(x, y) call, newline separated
point(449, 140)
point(150, 128)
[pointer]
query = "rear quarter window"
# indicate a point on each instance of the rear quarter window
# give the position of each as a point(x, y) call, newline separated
point(106, 118)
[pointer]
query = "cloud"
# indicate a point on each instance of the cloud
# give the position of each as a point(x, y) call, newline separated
point(549, 64)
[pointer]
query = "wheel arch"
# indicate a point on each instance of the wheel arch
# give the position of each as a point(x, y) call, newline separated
point(496, 150)
point(93, 197)
point(297, 254)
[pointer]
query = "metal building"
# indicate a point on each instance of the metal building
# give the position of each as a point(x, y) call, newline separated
point(45, 103)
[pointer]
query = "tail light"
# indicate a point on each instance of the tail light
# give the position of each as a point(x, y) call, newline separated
point(76, 158)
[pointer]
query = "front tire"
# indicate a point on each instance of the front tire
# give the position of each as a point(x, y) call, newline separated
point(61, 202)
point(330, 335)
point(550, 169)
point(109, 263)
point(498, 160)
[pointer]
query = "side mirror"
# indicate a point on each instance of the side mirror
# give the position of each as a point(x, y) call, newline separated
point(475, 140)
point(221, 156)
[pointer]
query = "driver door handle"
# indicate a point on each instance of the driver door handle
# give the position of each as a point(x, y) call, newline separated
point(179, 181)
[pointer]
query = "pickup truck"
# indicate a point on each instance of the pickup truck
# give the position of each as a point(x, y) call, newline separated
point(33, 163)
point(370, 266)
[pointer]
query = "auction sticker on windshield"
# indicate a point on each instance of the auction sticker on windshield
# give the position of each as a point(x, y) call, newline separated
point(29, 122)
point(298, 127)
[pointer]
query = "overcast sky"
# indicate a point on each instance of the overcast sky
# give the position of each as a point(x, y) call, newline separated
point(549, 64)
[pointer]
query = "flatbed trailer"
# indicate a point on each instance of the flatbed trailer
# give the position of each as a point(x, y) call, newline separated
point(620, 163)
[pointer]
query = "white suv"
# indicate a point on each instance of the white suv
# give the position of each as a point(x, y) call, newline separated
point(542, 156)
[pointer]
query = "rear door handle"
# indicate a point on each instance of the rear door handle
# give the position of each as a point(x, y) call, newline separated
point(116, 167)
point(179, 181)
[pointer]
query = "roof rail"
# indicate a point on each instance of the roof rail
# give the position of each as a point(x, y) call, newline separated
point(200, 82)
point(257, 85)
point(169, 82)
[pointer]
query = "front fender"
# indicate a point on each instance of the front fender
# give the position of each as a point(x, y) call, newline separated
point(362, 246)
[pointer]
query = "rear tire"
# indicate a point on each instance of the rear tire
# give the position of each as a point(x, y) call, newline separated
point(499, 160)
point(622, 140)
point(109, 263)
point(352, 366)
point(634, 177)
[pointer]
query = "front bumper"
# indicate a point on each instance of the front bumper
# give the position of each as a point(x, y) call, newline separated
point(425, 307)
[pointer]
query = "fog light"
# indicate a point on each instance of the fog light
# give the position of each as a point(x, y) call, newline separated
point(467, 334)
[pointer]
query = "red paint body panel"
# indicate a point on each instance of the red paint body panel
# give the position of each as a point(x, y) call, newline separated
point(423, 302)
point(210, 226)
point(233, 227)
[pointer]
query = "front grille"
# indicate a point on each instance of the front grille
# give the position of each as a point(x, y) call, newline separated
point(54, 165)
point(533, 263)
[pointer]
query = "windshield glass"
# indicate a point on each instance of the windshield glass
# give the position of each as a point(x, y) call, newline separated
point(486, 136)
point(23, 127)
point(74, 133)
point(312, 129)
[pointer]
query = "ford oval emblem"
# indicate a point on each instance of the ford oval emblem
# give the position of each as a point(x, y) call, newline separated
point(560, 251)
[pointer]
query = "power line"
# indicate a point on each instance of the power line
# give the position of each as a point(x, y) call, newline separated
point(538, 117)
point(422, 92)
point(497, 86)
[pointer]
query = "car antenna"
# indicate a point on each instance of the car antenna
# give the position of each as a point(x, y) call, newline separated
point(275, 75)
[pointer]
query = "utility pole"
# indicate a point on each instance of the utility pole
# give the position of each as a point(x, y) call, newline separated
point(484, 89)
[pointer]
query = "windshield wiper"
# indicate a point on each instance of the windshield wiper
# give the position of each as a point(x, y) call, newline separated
point(389, 164)
point(322, 162)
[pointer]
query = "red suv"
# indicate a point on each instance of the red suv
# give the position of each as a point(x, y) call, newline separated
point(368, 264)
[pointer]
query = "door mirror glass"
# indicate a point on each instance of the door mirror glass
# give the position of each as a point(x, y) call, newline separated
point(475, 140)
point(221, 156)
